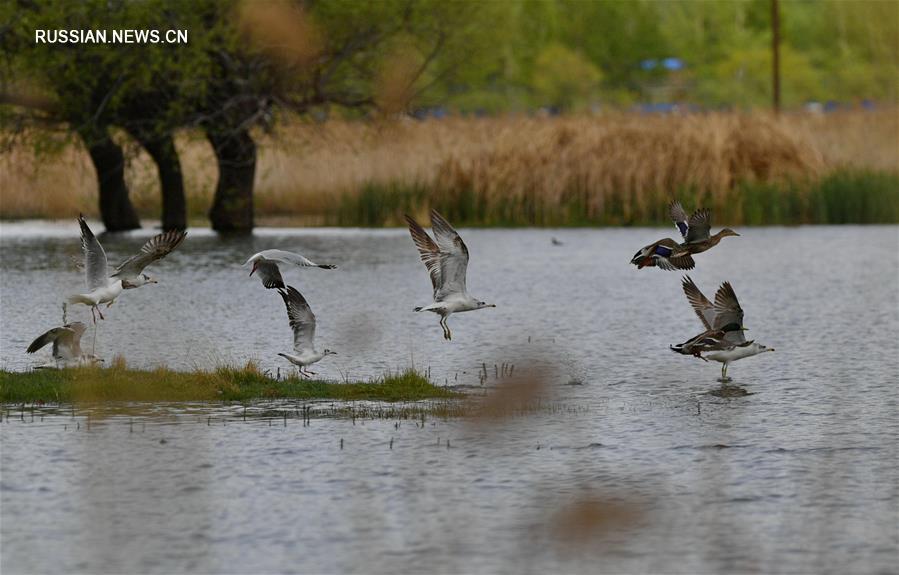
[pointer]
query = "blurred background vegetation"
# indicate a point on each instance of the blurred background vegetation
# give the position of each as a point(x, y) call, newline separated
point(509, 112)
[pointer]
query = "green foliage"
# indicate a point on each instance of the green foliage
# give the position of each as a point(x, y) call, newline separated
point(564, 79)
point(831, 50)
point(224, 384)
point(469, 55)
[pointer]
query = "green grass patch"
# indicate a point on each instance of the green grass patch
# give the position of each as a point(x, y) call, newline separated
point(225, 384)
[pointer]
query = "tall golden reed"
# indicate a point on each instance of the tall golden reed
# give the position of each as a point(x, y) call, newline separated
point(633, 161)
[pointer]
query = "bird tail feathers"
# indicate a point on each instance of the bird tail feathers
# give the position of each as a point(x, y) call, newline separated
point(79, 298)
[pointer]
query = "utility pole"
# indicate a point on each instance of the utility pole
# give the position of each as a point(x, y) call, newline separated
point(775, 54)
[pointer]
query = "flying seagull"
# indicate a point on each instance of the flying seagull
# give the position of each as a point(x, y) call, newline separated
point(723, 341)
point(103, 288)
point(266, 263)
point(66, 342)
point(446, 258)
point(669, 255)
point(302, 321)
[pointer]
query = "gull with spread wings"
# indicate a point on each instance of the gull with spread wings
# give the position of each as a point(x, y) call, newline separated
point(103, 288)
point(669, 255)
point(723, 341)
point(267, 263)
point(302, 322)
point(446, 258)
point(66, 342)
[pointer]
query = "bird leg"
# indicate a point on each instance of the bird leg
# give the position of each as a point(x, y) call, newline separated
point(724, 378)
point(447, 334)
point(100, 313)
point(110, 304)
point(310, 372)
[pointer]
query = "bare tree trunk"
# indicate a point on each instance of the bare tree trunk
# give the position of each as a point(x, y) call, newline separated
point(171, 179)
point(232, 208)
point(116, 210)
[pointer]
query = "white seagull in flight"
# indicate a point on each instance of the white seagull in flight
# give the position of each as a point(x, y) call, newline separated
point(103, 288)
point(266, 263)
point(302, 321)
point(446, 258)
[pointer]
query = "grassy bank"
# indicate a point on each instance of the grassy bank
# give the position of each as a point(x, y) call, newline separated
point(224, 384)
point(611, 169)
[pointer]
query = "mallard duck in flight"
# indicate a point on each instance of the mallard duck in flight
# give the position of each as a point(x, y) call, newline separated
point(669, 255)
point(723, 341)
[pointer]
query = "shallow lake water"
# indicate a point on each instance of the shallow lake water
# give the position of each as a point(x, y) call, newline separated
point(629, 466)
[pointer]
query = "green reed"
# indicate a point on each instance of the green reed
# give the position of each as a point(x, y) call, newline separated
point(843, 197)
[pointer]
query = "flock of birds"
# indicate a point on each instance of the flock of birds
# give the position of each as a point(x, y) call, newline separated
point(723, 340)
point(445, 257)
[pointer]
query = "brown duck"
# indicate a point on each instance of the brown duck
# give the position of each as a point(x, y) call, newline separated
point(667, 254)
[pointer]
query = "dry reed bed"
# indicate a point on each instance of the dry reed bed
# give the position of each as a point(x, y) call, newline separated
point(506, 169)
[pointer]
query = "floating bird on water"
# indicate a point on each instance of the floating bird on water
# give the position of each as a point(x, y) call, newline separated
point(669, 255)
point(723, 341)
point(266, 263)
point(446, 258)
point(302, 321)
point(128, 275)
point(66, 342)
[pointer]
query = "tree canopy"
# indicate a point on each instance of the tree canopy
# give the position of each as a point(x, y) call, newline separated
point(246, 63)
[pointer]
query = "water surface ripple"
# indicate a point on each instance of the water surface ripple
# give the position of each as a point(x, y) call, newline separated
point(799, 476)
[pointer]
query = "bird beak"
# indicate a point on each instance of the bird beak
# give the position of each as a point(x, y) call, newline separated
point(253, 270)
point(770, 349)
point(154, 281)
point(492, 305)
point(736, 234)
point(744, 329)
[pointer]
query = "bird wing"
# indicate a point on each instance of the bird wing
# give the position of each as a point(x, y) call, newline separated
point(429, 252)
point(664, 258)
point(94, 257)
point(446, 258)
point(728, 310)
point(679, 217)
point(269, 274)
point(301, 319)
point(699, 225)
point(62, 339)
point(684, 262)
point(704, 309)
point(289, 258)
point(155, 249)
point(710, 340)
point(453, 256)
